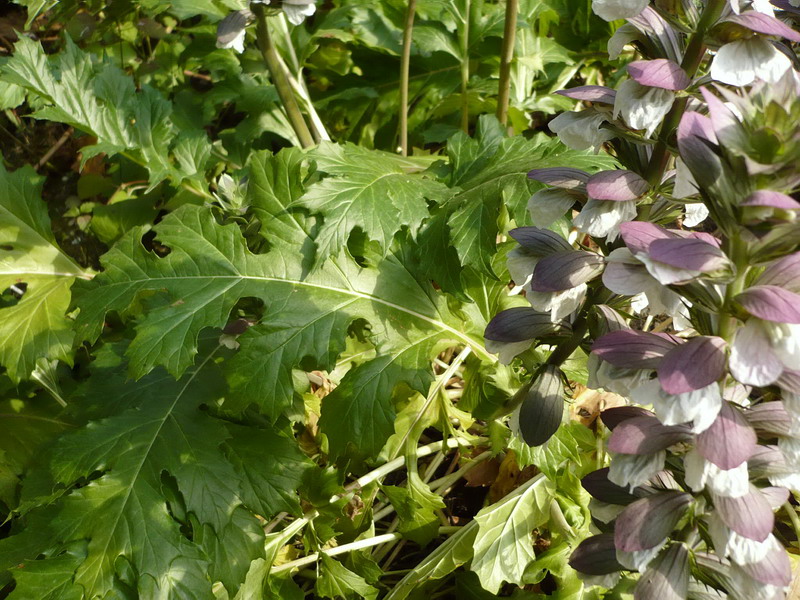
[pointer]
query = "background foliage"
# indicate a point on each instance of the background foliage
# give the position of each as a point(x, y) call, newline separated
point(238, 369)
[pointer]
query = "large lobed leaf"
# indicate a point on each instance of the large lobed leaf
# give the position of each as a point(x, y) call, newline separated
point(36, 327)
point(102, 101)
point(307, 315)
point(150, 487)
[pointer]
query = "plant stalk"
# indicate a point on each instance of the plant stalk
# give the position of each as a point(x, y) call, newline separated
point(351, 547)
point(692, 58)
point(464, 43)
point(738, 253)
point(405, 62)
point(507, 54)
point(280, 78)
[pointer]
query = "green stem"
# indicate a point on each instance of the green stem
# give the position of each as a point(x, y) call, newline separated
point(790, 510)
point(279, 78)
point(464, 43)
point(737, 251)
point(405, 61)
point(692, 58)
point(579, 328)
point(509, 34)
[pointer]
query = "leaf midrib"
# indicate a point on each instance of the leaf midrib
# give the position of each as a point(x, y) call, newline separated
point(441, 325)
point(146, 454)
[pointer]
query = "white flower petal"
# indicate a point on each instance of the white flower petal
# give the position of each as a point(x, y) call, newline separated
point(624, 382)
point(752, 360)
point(742, 61)
point(785, 341)
point(520, 265)
point(297, 12)
point(701, 473)
point(559, 304)
point(642, 107)
point(638, 561)
point(667, 274)
point(581, 130)
point(623, 36)
point(694, 214)
point(506, 351)
point(602, 218)
point(613, 10)
point(740, 549)
point(700, 406)
point(633, 470)
point(548, 205)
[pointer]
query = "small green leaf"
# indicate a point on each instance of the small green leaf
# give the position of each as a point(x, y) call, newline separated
point(416, 506)
point(336, 581)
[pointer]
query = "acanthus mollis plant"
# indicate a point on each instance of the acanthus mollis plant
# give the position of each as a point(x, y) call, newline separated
point(681, 279)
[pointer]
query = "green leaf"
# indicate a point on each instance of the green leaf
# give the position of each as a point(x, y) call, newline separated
point(103, 102)
point(416, 506)
point(569, 448)
point(369, 190)
point(25, 428)
point(132, 522)
point(268, 487)
point(448, 556)
point(503, 545)
point(490, 175)
point(36, 327)
point(210, 268)
point(49, 579)
point(337, 581)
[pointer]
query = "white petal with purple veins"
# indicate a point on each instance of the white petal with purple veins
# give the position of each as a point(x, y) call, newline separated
point(633, 470)
point(700, 473)
point(581, 130)
point(742, 61)
point(602, 218)
point(638, 561)
point(642, 107)
point(699, 406)
point(613, 10)
point(558, 304)
point(549, 205)
point(752, 359)
point(741, 550)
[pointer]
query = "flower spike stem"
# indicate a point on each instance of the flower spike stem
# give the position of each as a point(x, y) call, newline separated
point(464, 44)
point(405, 61)
point(509, 35)
point(280, 79)
point(692, 58)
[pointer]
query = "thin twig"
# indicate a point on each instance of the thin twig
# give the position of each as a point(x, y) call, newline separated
point(405, 61)
point(509, 35)
point(55, 147)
